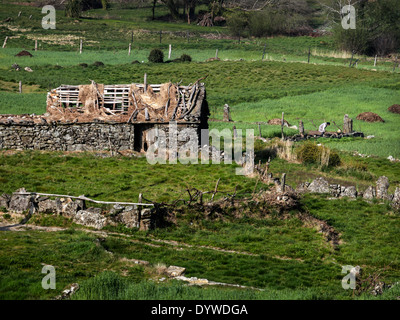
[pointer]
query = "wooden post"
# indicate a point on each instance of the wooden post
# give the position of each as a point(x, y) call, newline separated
point(19, 14)
point(234, 132)
point(30, 17)
point(347, 124)
point(265, 47)
point(80, 47)
point(283, 182)
point(129, 49)
point(5, 42)
point(169, 51)
point(145, 82)
point(140, 200)
point(309, 54)
point(227, 116)
point(282, 123)
point(259, 130)
point(351, 60)
point(301, 128)
point(35, 45)
point(216, 54)
point(132, 37)
point(375, 60)
point(20, 87)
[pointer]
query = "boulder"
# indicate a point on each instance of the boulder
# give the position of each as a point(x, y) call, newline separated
point(174, 271)
point(369, 193)
point(335, 190)
point(48, 206)
point(319, 185)
point(302, 187)
point(90, 217)
point(69, 208)
point(350, 192)
point(19, 203)
point(382, 186)
point(5, 200)
point(129, 216)
point(396, 198)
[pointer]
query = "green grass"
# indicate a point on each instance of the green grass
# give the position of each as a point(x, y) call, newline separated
point(331, 105)
point(122, 180)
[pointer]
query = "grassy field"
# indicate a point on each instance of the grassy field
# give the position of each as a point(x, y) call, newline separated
point(280, 254)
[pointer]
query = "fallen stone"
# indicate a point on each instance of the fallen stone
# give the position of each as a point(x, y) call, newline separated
point(90, 217)
point(382, 186)
point(5, 200)
point(19, 203)
point(174, 271)
point(369, 193)
point(350, 192)
point(396, 198)
point(319, 185)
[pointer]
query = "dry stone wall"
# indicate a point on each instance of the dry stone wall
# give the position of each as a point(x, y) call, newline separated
point(67, 137)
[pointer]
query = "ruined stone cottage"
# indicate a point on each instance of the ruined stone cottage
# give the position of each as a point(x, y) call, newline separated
point(103, 117)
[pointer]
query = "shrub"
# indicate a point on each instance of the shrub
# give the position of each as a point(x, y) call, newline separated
point(186, 58)
point(156, 56)
point(310, 153)
point(98, 64)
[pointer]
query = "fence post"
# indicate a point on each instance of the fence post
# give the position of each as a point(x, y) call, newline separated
point(301, 128)
point(375, 60)
point(20, 87)
point(129, 49)
point(169, 52)
point(80, 47)
point(160, 35)
point(265, 47)
point(36, 45)
point(216, 54)
point(282, 123)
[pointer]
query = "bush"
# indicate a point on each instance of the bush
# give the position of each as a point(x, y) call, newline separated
point(98, 64)
point(310, 153)
point(186, 58)
point(156, 56)
point(237, 23)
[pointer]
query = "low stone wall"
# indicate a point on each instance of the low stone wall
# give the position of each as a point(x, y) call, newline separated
point(379, 191)
point(332, 135)
point(67, 137)
point(93, 136)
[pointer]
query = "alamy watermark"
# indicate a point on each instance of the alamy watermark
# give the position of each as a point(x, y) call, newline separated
point(49, 20)
point(349, 17)
point(49, 280)
point(349, 280)
point(160, 149)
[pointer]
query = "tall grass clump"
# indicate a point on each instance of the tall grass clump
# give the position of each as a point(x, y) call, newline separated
point(311, 153)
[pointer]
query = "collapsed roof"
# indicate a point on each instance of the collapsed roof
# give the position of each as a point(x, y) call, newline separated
point(136, 103)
